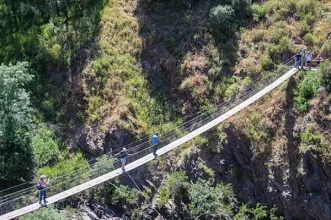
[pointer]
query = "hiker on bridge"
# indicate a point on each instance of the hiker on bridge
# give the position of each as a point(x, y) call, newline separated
point(318, 60)
point(155, 143)
point(42, 186)
point(123, 155)
point(297, 60)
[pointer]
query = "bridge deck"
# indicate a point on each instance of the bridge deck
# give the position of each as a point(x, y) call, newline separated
point(150, 157)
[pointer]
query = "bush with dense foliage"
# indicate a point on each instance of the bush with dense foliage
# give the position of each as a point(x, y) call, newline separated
point(175, 187)
point(45, 214)
point(222, 18)
point(255, 213)
point(258, 12)
point(16, 121)
point(211, 202)
point(45, 147)
point(46, 33)
point(267, 63)
point(307, 88)
point(310, 138)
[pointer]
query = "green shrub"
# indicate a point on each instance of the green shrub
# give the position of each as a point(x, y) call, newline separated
point(325, 72)
point(309, 85)
point(258, 12)
point(326, 48)
point(324, 148)
point(267, 63)
point(285, 46)
point(221, 18)
point(164, 197)
point(48, 108)
point(304, 28)
point(255, 129)
point(124, 195)
point(307, 7)
point(103, 165)
point(242, 9)
point(274, 52)
point(45, 148)
point(308, 137)
point(310, 39)
point(276, 34)
point(45, 214)
point(177, 187)
point(210, 172)
point(307, 88)
point(247, 81)
point(309, 19)
point(55, 52)
point(251, 67)
point(232, 90)
point(94, 108)
point(75, 168)
point(286, 8)
point(256, 213)
point(209, 202)
point(257, 35)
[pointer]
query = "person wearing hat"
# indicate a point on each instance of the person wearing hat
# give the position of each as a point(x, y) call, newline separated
point(123, 155)
point(43, 186)
point(155, 143)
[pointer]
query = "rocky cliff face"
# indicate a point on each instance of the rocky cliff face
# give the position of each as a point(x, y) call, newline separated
point(277, 170)
point(261, 152)
point(299, 187)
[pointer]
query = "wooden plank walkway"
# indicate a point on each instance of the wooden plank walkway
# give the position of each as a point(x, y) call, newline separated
point(149, 157)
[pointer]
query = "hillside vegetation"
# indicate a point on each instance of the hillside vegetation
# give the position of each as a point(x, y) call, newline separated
point(82, 78)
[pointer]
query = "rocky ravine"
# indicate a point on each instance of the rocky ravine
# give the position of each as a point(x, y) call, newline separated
point(270, 170)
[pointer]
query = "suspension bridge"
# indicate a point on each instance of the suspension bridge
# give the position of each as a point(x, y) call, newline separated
point(24, 201)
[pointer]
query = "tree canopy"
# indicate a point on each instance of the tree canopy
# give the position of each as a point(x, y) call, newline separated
point(16, 161)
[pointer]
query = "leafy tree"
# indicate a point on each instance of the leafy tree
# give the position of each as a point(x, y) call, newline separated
point(45, 148)
point(45, 213)
point(222, 17)
point(15, 114)
point(209, 202)
point(46, 32)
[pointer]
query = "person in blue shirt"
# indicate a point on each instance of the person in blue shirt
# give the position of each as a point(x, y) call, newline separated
point(297, 60)
point(155, 143)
